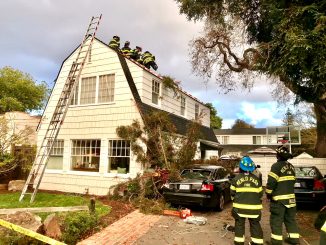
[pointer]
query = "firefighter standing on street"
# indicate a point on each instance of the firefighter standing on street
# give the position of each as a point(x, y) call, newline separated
point(246, 193)
point(115, 43)
point(280, 191)
point(320, 224)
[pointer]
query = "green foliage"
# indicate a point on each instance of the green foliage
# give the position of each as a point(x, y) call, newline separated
point(15, 238)
point(170, 83)
point(282, 39)
point(151, 206)
point(216, 121)
point(239, 123)
point(19, 92)
point(76, 225)
point(289, 118)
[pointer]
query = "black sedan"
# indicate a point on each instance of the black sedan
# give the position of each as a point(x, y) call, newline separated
point(204, 185)
point(310, 185)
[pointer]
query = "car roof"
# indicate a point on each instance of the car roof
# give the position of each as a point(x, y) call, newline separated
point(204, 167)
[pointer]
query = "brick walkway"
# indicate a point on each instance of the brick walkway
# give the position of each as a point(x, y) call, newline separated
point(124, 231)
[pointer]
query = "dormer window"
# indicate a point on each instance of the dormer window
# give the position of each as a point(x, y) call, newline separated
point(183, 105)
point(196, 111)
point(155, 91)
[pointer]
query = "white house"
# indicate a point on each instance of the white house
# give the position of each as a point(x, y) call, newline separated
point(88, 156)
point(239, 141)
point(20, 124)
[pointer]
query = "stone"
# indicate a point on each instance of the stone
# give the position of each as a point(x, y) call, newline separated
point(16, 185)
point(52, 227)
point(25, 219)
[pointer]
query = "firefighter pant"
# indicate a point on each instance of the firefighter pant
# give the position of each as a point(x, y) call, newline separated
point(239, 229)
point(279, 215)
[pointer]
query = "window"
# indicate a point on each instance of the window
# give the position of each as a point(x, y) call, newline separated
point(225, 140)
point(196, 111)
point(256, 140)
point(85, 155)
point(106, 88)
point(87, 90)
point(56, 155)
point(183, 105)
point(155, 91)
point(119, 156)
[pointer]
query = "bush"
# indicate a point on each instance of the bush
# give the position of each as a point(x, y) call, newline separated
point(77, 225)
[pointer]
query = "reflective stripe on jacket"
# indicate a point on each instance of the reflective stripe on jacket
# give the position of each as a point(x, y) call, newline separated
point(280, 183)
point(114, 44)
point(147, 57)
point(246, 193)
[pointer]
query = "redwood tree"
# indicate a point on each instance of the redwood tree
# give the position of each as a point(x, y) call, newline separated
point(285, 40)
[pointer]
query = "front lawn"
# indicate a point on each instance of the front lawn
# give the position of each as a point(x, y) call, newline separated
point(75, 225)
point(11, 200)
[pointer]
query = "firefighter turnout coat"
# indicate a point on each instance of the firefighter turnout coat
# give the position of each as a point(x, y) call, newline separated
point(280, 189)
point(246, 193)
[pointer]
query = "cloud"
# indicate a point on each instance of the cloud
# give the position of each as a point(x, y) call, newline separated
point(39, 35)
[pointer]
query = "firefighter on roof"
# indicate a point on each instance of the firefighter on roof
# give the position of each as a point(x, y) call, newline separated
point(280, 190)
point(246, 193)
point(149, 60)
point(136, 55)
point(115, 43)
point(126, 50)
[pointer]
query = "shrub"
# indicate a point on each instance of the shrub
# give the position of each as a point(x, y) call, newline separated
point(77, 225)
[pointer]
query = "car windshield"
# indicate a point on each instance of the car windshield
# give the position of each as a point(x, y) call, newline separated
point(196, 173)
point(305, 172)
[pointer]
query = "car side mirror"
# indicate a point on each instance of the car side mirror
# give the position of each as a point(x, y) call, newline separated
point(258, 166)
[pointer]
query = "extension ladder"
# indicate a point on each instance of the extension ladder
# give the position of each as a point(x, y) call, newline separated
point(38, 168)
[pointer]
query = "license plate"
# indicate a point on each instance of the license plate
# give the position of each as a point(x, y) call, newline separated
point(297, 185)
point(184, 187)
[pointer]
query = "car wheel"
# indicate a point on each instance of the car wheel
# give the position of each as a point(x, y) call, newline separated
point(220, 202)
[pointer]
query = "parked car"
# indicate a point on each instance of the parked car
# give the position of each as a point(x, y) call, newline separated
point(201, 185)
point(310, 185)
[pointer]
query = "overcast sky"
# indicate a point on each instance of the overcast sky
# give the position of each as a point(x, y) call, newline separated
point(37, 35)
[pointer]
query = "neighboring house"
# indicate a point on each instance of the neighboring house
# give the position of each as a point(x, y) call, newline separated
point(88, 156)
point(22, 123)
point(239, 141)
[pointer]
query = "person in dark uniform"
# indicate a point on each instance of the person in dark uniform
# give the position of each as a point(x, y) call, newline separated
point(149, 60)
point(136, 55)
point(115, 43)
point(320, 224)
point(126, 50)
point(246, 193)
point(280, 192)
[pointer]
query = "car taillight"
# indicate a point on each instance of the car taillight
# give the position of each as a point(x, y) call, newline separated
point(319, 185)
point(207, 187)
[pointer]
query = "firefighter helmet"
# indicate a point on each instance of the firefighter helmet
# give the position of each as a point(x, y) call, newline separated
point(283, 152)
point(247, 164)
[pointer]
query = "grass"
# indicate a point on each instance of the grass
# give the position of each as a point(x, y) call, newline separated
point(11, 200)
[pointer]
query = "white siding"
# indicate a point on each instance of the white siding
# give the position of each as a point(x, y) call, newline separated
point(170, 101)
point(248, 139)
point(96, 121)
point(99, 121)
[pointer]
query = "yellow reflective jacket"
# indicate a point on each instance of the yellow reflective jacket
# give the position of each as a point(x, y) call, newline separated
point(246, 193)
point(280, 183)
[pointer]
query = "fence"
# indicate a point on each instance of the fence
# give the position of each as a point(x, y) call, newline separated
point(266, 162)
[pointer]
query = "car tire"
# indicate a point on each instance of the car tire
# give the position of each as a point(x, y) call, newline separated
point(220, 202)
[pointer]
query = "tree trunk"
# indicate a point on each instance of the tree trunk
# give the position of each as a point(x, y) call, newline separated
point(320, 110)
